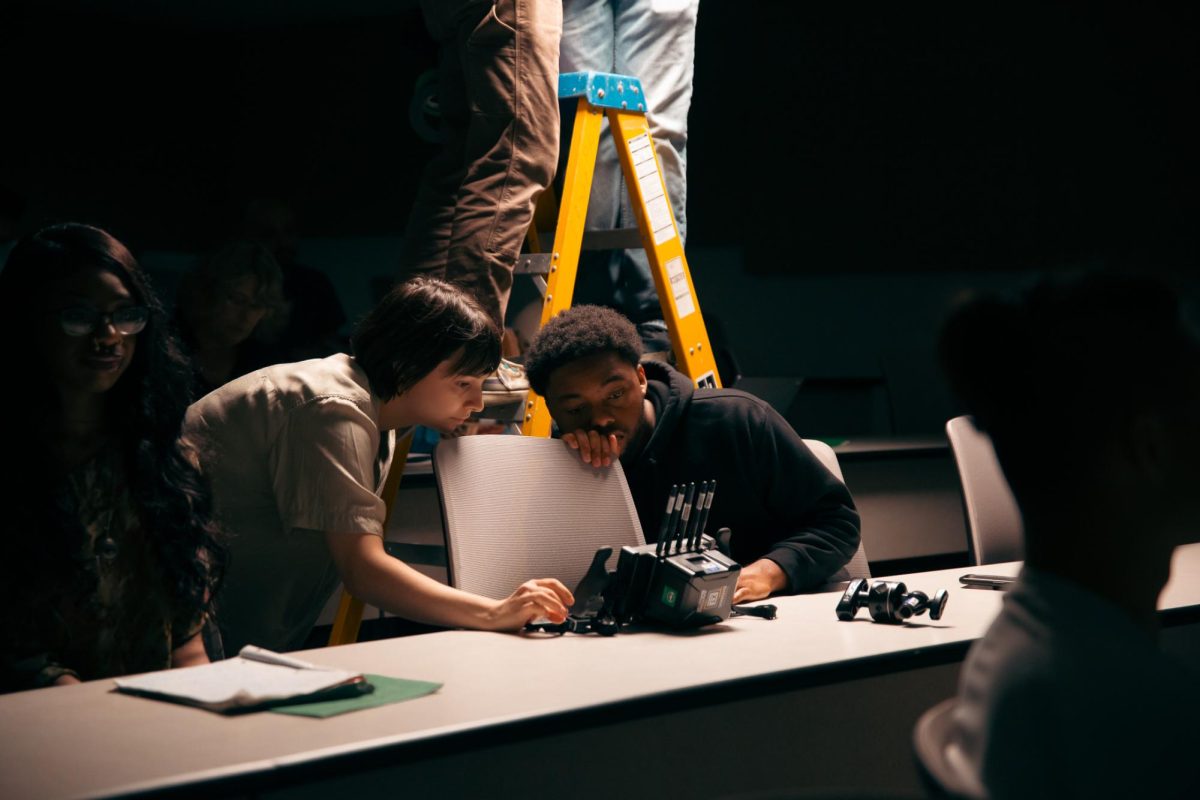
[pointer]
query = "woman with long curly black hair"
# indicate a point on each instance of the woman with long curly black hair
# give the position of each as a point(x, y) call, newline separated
point(111, 556)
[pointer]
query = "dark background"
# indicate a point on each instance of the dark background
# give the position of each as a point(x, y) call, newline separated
point(852, 169)
point(868, 138)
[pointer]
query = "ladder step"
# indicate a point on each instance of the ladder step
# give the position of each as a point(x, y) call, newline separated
point(533, 264)
point(616, 239)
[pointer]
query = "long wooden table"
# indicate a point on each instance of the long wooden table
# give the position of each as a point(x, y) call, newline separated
point(804, 700)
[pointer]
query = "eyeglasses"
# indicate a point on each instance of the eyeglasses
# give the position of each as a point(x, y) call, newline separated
point(80, 321)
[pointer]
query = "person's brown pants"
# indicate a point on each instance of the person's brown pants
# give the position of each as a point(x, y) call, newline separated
point(498, 93)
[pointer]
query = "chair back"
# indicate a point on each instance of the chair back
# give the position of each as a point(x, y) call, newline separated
point(940, 760)
point(994, 528)
point(857, 566)
point(522, 507)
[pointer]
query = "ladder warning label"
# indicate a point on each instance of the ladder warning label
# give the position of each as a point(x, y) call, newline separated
point(684, 304)
point(658, 211)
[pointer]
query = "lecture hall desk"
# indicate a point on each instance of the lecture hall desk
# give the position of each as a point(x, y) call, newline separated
point(803, 700)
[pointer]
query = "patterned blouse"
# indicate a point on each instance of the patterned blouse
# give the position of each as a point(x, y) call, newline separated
point(107, 610)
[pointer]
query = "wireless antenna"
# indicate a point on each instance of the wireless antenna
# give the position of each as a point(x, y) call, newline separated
point(666, 520)
point(681, 525)
point(701, 497)
point(708, 500)
point(665, 539)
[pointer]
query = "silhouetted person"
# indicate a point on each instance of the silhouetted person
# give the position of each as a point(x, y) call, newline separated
point(314, 325)
point(12, 207)
point(1089, 389)
point(230, 309)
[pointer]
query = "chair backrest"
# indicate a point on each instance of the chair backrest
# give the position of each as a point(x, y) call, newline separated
point(940, 760)
point(994, 528)
point(522, 507)
point(857, 566)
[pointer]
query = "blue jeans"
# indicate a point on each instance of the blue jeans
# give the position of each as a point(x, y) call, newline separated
point(655, 41)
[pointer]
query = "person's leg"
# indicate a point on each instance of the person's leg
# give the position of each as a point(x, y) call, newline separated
point(427, 234)
point(656, 42)
point(510, 65)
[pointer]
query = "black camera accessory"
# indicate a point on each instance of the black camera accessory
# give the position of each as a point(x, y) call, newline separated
point(588, 613)
point(683, 580)
point(605, 626)
point(766, 611)
point(589, 594)
point(687, 589)
point(889, 601)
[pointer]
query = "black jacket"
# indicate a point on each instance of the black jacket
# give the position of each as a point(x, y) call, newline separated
point(775, 496)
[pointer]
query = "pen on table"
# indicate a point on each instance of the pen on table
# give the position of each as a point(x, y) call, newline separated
point(262, 655)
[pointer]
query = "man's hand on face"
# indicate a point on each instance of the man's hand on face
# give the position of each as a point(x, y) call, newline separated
point(594, 448)
point(759, 580)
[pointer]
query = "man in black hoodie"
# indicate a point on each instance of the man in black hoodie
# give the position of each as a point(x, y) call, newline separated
point(793, 523)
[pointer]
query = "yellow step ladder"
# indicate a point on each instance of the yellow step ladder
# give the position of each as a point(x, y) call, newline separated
point(350, 608)
point(621, 98)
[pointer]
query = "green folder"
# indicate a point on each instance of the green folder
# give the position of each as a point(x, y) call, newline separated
point(387, 691)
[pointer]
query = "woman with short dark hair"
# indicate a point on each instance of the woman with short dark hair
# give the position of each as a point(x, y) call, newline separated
point(111, 554)
point(298, 454)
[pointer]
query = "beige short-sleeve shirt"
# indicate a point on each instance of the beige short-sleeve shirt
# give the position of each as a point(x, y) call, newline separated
point(293, 452)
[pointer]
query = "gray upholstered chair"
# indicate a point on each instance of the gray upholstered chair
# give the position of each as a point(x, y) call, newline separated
point(857, 566)
point(522, 507)
point(994, 528)
point(939, 759)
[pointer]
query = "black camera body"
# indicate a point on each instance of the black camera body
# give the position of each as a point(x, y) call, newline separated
point(687, 589)
point(683, 580)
